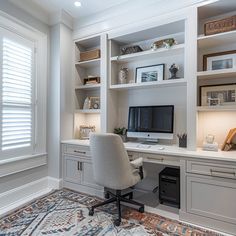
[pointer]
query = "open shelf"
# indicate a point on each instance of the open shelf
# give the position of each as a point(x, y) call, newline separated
point(149, 54)
point(88, 111)
point(216, 108)
point(216, 40)
point(88, 87)
point(215, 74)
point(88, 64)
point(163, 83)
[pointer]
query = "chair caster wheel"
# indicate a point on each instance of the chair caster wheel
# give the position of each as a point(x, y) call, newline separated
point(91, 212)
point(117, 222)
point(107, 195)
point(141, 209)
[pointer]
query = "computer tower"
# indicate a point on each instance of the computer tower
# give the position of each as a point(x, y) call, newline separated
point(169, 186)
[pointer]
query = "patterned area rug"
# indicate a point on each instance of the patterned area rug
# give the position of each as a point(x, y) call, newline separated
point(64, 212)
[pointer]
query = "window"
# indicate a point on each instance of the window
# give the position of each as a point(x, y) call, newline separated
point(22, 84)
point(17, 95)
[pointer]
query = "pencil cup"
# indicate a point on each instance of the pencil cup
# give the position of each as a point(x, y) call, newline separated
point(183, 142)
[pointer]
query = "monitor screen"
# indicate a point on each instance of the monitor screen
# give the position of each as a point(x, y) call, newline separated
point(151, 119)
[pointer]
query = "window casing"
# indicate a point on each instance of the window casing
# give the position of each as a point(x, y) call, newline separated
point(22, 91)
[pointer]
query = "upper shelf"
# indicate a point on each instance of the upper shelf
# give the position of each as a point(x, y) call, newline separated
point(216, 40)
point(176, 49)
point(88, 64)
point(216, 74)
point(88, 86)
point(163, 83)
point(215, 108)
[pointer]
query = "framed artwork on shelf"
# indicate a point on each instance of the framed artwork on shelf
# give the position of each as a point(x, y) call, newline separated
point(218, 95)
point(152, 73)
point(94, 103)
point(219, 60)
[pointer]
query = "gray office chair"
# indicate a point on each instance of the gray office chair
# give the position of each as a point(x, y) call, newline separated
point(113, 170)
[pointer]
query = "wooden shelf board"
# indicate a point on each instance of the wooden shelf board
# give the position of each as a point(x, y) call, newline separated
point(88, 111)
point(88, 87)
point(88, 64)
point(148, 54)
point(164, 83)
point(216, 108)
point(215, 40)
point(215, 74)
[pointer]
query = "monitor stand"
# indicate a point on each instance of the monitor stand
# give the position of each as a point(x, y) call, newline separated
point(150, 142)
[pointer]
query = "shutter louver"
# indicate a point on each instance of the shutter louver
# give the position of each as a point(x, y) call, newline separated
point(16, 95)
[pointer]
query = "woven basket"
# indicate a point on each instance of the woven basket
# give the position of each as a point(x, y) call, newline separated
point(220, 26)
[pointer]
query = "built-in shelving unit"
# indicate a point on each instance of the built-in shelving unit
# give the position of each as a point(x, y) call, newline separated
point(159, 84)
point(88, 111)
point(216, 108)
point(88, 64)
point(216, 74)
point(149, 54)
point(85, 69)
point(208, 121)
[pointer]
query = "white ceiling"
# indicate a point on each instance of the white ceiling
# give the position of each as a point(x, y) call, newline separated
point(89, 7)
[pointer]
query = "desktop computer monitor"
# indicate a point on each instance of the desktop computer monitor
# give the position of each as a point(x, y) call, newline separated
point(151, 122)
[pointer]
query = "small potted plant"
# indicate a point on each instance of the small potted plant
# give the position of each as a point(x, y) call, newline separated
point(122, 132)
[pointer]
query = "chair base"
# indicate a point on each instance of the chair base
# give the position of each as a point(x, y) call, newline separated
point(118, 198)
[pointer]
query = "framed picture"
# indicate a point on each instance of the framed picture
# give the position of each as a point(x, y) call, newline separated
point(94, 103)
point(85, 131)
point(219, 60)
point(152, 73)
point(217, 95)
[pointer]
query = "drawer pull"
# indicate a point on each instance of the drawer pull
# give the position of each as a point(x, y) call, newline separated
point(78, 166)
point(155, 159)
point(80, 152)
point(219, 173)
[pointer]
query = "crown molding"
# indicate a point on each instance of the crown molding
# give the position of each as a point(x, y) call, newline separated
point(61, 17)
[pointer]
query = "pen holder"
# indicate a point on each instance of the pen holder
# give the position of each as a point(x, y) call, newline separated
point(183, 142)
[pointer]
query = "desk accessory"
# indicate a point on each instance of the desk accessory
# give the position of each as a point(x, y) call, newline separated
point(94, 103)
point(209, 144)
point(91, 80)
point(166, 43)
point(87, 103)
point(182, 140)
point(123, 76)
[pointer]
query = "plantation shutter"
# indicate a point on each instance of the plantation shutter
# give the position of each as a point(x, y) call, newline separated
point(17, 96)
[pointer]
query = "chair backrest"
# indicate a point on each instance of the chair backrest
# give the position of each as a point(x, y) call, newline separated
point(110, 161)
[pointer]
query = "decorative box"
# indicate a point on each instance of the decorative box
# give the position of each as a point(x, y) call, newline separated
point(131, 49)
point(90, 55)
point(220, 26)
point(91, 80)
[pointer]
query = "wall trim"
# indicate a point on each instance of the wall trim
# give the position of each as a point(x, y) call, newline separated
point(18, 197)
point(14, 165)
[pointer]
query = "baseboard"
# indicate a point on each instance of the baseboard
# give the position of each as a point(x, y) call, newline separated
point(54, 183)
point(15, 198)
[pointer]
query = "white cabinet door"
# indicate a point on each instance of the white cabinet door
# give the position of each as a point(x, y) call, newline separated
point(72, 168)
point(87, 177)
point(212, 197)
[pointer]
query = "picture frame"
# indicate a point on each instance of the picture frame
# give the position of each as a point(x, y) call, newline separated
point(218, 95)
point(151, 73)
point(219, 60)
point(94, 103)
point(85, 131)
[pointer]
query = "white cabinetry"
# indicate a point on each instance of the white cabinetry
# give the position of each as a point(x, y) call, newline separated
point(210, 194)
point(78, 170)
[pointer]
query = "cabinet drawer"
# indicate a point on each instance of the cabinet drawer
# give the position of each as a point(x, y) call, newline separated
point(160, 159)
point(212, 197)
point(77, 150)
point(216, 170)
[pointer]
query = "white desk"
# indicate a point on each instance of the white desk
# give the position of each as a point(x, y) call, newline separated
point(204, 176)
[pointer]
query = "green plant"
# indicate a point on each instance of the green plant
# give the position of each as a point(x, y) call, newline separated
point(120, 131)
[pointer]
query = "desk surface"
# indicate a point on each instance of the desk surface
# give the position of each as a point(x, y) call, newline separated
point(167, 150)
